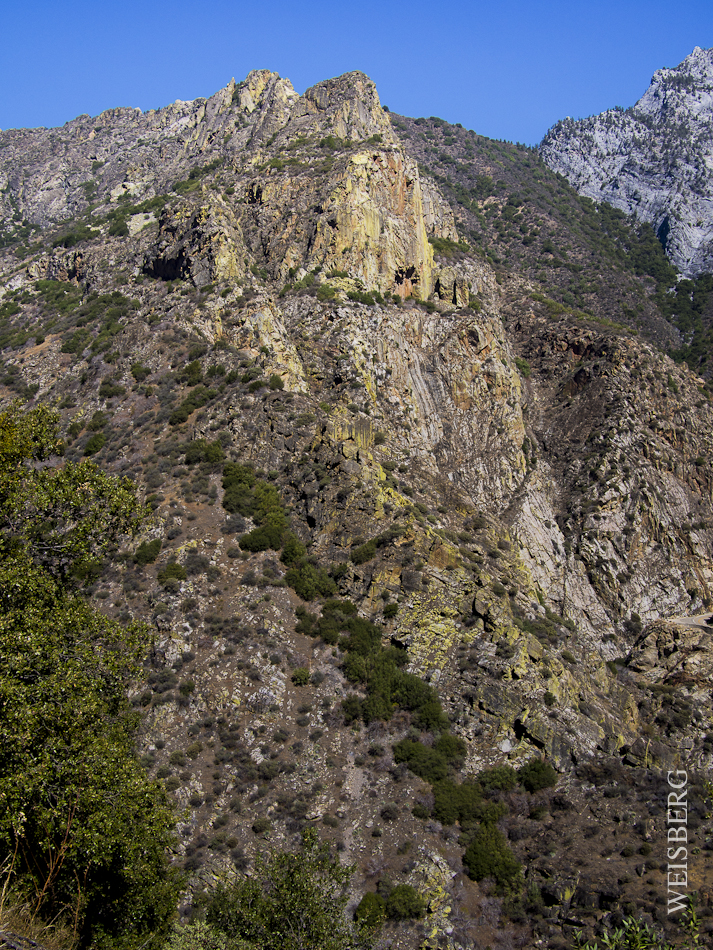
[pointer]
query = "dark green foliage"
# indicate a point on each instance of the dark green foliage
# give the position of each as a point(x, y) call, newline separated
point(363, 553)
point(139, 372)
point(276, 382)
point(293, 550)
point(689, 309)
point(371, 909)
point(501, 778)
point(300, 676)
point(57, 296)
point(488, 855)
point(448, 248)
point(464, 803)
point(204, 451)
point(360, 296)
point(98, 421)
point(523, 366)
point(404, 903)
point(390, 610)
point(309, 580)
point(108, 389)
point(95, 444)
point(426, 762)
point(172, 571)
point(262, 539)
point(198, 398)
point(80, 233)
point(95, 830)
point(77, 342)
point(537, 775)
point(192, 374)
point(291, 901)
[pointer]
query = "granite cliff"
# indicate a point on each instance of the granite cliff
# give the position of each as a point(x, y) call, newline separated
point(652, 160)
point(514, 489)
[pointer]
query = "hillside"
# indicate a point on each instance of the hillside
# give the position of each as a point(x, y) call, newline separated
point(429, 495)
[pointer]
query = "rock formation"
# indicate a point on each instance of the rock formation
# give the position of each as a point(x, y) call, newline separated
point(652, 160)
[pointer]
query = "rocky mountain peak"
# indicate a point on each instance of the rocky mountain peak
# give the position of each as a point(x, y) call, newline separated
point(653, 160)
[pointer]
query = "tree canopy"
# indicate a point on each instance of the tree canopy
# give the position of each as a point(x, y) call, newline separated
point(83, 831)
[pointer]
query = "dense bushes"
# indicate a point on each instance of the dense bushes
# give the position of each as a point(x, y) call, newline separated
point(432, 763)
point(198, 398)
point(203, 451)
point(488, 855)
point(537, 775)
point(309, 580)
point(147, 551)
point(292, 901)
point(86, 831)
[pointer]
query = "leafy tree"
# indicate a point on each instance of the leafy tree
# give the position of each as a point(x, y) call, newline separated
point(84, 830)
point(293, 901)
point(488, 855)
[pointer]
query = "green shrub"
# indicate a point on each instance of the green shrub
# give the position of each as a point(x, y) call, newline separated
point(172, 571)
point(404, 903)
point(197, 935)
point(501, 778)
point(371, 910)
point(147, 551)
point(276, 382)
point(310, 581)
point(139, 372)
point(95, 444)
point(536, 775)
point(203, 451)
point(423, 761)
point(293, 550)
point(300, 676)
point(292, 901)
point(262, 539)
point(390, 610)
point(488, 855)
point(364, 552)
point(108, 389)
point(524, 367)
point(326, 292)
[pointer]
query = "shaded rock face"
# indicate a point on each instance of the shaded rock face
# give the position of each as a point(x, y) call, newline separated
point(653, 160)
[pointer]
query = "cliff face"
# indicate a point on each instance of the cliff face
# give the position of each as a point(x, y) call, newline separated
point(512, 487)
point(653, 160)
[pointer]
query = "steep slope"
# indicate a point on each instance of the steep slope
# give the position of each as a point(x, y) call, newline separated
point(653, 160)
point(524, 218)
point(497, 482)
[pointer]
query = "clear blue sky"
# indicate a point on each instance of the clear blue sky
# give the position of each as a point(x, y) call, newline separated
point(506, 68)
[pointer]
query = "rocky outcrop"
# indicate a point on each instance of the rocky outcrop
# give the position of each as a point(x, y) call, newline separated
point(653, 160)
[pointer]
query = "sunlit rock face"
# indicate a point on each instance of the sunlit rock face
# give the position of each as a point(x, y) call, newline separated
point(654, 160)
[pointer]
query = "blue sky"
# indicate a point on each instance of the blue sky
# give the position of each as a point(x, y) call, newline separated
point(508, 69)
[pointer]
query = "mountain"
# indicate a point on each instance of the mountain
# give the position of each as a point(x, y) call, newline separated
point(431, 499)
point(652, 160)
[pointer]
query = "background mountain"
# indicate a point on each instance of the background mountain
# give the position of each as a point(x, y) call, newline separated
point(429, 492)
point(652, 161)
